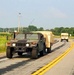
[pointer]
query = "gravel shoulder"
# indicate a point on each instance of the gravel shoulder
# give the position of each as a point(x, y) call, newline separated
point(2, 55)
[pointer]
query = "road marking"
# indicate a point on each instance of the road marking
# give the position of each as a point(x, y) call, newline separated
point(3, 59)
point(54, 62)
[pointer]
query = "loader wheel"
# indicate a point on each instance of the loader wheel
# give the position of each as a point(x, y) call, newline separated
point(9, 52)
point(34, 54)
point(20, 53)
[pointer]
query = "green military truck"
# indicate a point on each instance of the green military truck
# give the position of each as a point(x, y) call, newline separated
point(33, 43)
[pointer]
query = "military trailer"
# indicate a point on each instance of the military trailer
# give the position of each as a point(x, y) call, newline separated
point(64, 36)
point(33, 43)
point(49, 39)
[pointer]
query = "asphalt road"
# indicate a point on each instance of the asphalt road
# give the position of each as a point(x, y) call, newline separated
point(25, 66)
point(64, 67)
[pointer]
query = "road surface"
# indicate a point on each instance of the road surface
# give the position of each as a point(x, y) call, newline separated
point(23, 65)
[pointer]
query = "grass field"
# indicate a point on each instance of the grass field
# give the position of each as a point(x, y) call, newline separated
point(3, 44)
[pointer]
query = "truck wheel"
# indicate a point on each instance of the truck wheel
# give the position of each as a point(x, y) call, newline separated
point(9, 52)
point(20, 53)
point(34, 54)
point(67, 40)
point(42, 53)
point(61, 40)
point(49, 50)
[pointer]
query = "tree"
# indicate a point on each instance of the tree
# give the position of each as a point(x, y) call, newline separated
point(40, 29)
point(32, 28)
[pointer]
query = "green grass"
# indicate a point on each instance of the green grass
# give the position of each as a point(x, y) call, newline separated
point(71, 37)
point(56, 36)
point(3, 44)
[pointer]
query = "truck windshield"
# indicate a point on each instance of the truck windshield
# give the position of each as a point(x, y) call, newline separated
point(64, 35)
point(32, 36)
point(20, 36)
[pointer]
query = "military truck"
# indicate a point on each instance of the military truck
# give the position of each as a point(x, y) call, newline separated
point(64, 36)
point(33, 43)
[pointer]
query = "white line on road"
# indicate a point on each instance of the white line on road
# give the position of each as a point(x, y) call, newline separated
point(3, 59)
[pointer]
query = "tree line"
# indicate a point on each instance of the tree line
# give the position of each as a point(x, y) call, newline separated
point(56, 30)
point(59, 30)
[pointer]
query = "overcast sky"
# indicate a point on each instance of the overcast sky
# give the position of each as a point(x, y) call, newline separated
point(41, 13)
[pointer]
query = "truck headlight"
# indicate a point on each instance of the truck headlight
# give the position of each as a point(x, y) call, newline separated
point(27, 45)
point(13, 44)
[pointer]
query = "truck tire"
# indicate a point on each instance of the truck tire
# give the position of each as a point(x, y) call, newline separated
point(20, 53)
point(34, 53)
point(43, 52)
point(49, 50)
point(9, 52)
point(67, 40)
point(61, 40)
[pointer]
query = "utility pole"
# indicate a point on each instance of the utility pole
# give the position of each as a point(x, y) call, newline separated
point(19, 23)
